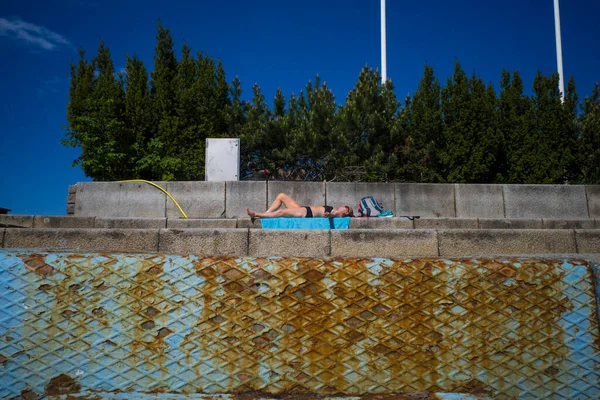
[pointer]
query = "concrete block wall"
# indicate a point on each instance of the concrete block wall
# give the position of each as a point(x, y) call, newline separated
point(387, 243)
point(230, 199)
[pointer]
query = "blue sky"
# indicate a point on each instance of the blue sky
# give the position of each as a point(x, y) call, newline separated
point(273, 43)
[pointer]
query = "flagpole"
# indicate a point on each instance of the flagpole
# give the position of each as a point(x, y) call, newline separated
point(558, 50)
point(383, 46)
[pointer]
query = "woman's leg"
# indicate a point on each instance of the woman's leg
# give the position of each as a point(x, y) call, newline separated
point(298, 212)
point(284, 199)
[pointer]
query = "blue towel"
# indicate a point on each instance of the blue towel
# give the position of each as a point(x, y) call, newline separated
point(305, 223)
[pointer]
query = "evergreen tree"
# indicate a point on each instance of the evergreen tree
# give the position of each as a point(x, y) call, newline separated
point(162, 92)
point(470, 136)
point(236, 112)
point(138, 114)
point(553, 122)
point(256, 151)
point(589, 143)
point(515, 123)
point(422, 119)
point(365, 130)
point(79, 110)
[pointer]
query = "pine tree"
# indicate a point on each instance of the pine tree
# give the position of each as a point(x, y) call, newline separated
point(589, 144)
point(79, 109)
point(423, 138)
point(163, 100)
point(256, 152)
point(365, 127)
point(552, 156)
point(138, 114)
point(236, 110)
point(470, 137)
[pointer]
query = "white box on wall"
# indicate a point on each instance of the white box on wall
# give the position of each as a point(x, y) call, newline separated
point(222, 160)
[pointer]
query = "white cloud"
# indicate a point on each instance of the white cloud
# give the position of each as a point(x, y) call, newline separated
point(33, 34)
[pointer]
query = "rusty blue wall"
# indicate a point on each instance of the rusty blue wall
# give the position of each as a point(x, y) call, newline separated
point(132, 324)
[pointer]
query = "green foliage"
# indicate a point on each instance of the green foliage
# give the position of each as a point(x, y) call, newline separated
point(471, 140)
point(422, 124)
point(155, 127)
point(589, 145)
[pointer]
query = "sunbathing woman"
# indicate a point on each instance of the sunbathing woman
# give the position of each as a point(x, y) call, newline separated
point(293, 209)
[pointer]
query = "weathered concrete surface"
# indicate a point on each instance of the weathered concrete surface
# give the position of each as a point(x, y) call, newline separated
point(473, 242)
point(2, 234)
point(482, 201)
point(568, 223)
point(425, 200)
point(87, 239)
point(305, 193)
point(593, 200)
point(130, 223)
point(389, 223)
point(119, 199)
point(182, 223)
point(446, 223)
point(205, 242)
point(242, 195)
point(513, 223)
point(350, 193)
point(545, 201)
point(383, 243)
point(289, 243)
point(246, 223)
point(588, 241)
point(16, 221)
point(197, 199)
point(359, 223)
point(41, 221)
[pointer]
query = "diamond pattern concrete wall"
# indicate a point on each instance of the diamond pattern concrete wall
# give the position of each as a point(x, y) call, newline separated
point(155, 323)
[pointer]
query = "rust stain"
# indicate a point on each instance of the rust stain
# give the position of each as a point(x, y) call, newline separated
point(28, 394)
point(62, 384)
point(36, 263)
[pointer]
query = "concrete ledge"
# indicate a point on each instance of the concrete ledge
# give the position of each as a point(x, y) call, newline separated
point(242, 195)
point(289, 243)
point(446, 223)
point(2, 233)
point(569, 223)
point(359, 223)
point(479, 201)
point(86, 239)
point(384, 243)
point(389, 223)
point(514, 223)
point(246, 223)
point(40, 221)
point(130, 223)
point(593, 200)
point(197, 199)
point(305, 193)
point(473, 242)
point(545, 201)
point(182, 223)
point(588, 241)
point(205, 242)
point(425, 200)
point(16, 221)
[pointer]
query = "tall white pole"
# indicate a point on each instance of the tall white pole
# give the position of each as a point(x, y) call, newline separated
point(558, 50)
point(383, 49)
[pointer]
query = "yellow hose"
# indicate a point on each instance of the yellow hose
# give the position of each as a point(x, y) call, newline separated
point(162, 190)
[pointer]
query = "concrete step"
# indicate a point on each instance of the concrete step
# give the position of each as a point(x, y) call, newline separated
point(313, 243)
point(43, 221)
